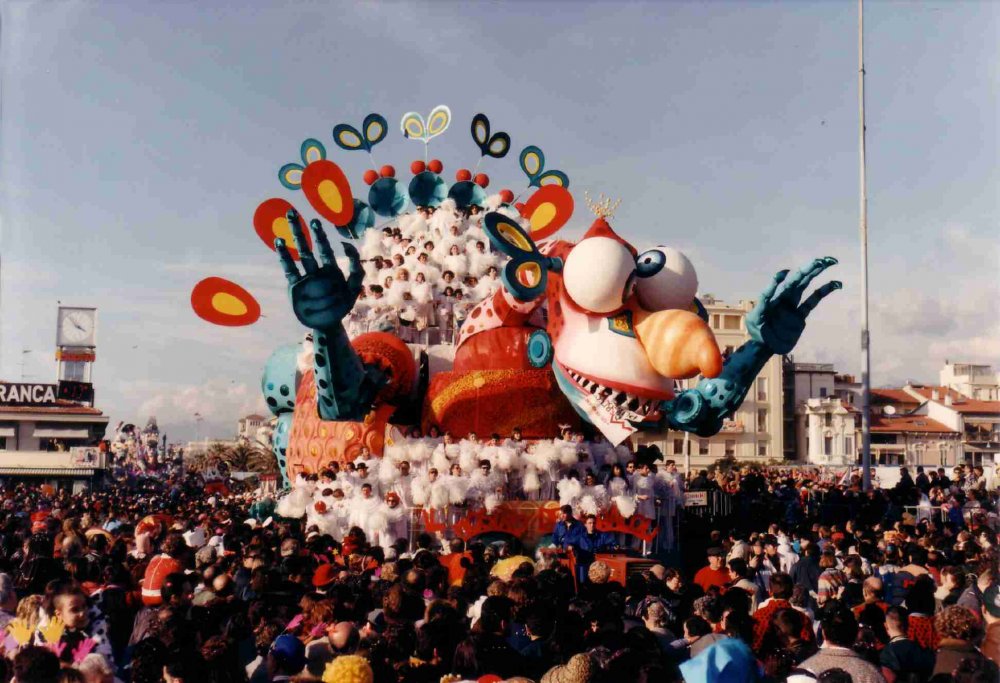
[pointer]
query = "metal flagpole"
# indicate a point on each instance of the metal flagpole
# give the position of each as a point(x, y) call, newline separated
point(866, 436)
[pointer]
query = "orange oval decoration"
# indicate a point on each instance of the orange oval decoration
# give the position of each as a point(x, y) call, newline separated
point(327, 189)
point(222, 302)
point(548, 209)
point(270, 221)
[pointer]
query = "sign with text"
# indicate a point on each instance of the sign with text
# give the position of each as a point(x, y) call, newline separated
point(81, 392)
point(694, 499)
point(20, 394)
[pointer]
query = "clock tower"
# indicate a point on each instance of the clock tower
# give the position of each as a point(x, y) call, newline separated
point(76, 345)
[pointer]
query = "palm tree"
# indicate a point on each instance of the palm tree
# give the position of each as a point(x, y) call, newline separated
point(249, 457)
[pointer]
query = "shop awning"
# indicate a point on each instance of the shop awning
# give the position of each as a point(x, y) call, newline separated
point(61, 433)
point(46, 472)
point(8, 432)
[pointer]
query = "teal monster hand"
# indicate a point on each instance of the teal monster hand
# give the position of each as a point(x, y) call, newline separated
point(778, 319)
point(321, 296)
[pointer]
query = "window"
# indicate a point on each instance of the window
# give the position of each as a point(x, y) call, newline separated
point(827, 445)
point(848, 445)
point(822, 392)
point(702, 447)
point(678, 446)
point(3, 443)
point(715, 321)
point(730, 447)
point(73, 371)
point(728, 351)
point(828, 420)
point(762, 388)
point(731, 322)
point(762, 419)
point(762, 449)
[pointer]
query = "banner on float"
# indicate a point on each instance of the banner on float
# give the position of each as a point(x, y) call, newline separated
point(695, 499)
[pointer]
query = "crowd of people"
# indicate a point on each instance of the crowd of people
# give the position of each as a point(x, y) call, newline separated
point(452, 476)
point(166, 583)
point(425, 272)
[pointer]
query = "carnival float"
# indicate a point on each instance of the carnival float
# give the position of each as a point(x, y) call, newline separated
point(466, 363)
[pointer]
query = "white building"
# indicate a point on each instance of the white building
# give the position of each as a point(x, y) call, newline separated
point(826, 431)
point(972, 381)
point(977, 421)
point(248, 426)
point(755, 432)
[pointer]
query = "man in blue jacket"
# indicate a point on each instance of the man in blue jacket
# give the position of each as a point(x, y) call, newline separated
point(565, 527)
point(587, 541)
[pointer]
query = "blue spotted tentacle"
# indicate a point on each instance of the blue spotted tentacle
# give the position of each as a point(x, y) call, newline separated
point(279, 444)
point(701, 410)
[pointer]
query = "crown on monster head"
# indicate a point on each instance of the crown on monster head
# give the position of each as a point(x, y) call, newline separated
point(603, 207)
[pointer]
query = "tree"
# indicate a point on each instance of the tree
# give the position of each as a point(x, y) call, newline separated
point(248, 457)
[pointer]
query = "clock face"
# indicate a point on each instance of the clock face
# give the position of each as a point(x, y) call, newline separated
point(77, 328)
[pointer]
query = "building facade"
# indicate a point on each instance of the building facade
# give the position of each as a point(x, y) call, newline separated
point(755, 432)
point(47, 439)
point(826, 431)
point(978, 382)
point(976, 421)
point(248, 426)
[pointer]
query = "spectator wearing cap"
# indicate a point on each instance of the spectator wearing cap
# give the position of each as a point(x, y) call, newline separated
point(285, 659)
point(714, 574)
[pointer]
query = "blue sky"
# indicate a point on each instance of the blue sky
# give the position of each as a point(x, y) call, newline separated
point(137, 139)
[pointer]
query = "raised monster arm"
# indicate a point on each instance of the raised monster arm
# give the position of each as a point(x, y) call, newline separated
point(775, 325)
point(321, 298)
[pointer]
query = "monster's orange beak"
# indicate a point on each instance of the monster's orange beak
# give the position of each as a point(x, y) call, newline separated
point(679, 344)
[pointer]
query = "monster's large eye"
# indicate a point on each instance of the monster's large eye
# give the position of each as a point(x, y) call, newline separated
point(666, 279)
point(597, 272)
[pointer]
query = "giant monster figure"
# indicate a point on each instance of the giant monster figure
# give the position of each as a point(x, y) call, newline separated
point(593, 331)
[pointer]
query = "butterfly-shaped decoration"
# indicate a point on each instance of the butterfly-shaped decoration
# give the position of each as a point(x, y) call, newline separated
point(496, 145)
point(414, 127)
point(526, 274)
point(270, 221)
point(322, 182)
point(533, 164)
point(373, 130)
point(223, 302)
point(547, 210)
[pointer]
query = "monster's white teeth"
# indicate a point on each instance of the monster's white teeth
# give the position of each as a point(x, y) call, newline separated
point(619, 403)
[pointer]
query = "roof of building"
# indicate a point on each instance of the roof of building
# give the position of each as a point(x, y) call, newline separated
point(46, 471)
point(959, 403)
point(893, 396)
point(920, 424)
point(254, 417)
point(61, 408)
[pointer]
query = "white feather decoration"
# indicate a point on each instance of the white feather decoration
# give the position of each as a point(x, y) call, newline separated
point(588, 505)
point(625, 505)
point(491, 502)
point(532, 484)
point(569, 490)
point(420, 491)
point(567, 454)
point(457, 488)
point(439, 460)
point(439, 496)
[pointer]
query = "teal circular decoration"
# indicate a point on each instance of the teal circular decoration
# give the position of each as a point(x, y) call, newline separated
point(363, 219)
point(386, 197)
point(466, 193)
point(428, 189)
point(539, 349)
